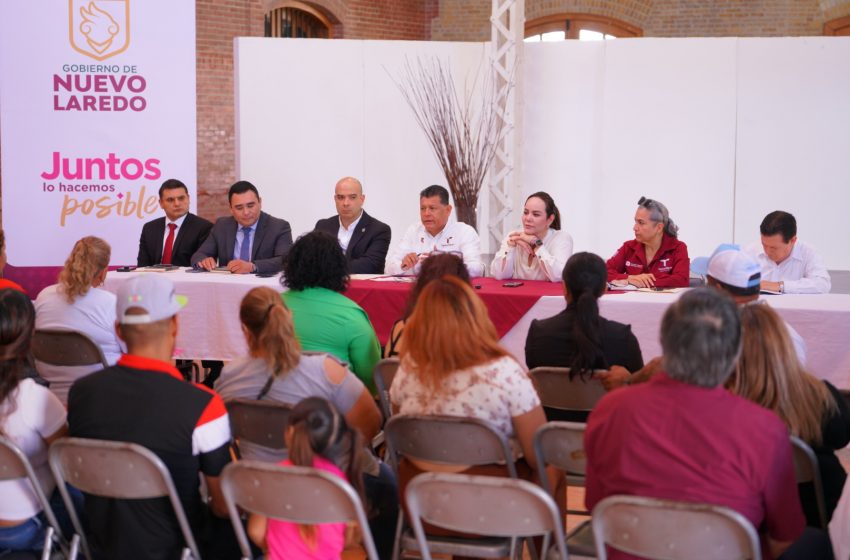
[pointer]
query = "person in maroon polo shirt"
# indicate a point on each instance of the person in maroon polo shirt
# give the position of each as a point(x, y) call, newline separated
point(683, 436)
point(143, 399)
point(655, 257)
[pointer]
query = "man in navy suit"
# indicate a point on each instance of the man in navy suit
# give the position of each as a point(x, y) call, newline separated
point(247, 241)
point(363, 239)
point(174, 238)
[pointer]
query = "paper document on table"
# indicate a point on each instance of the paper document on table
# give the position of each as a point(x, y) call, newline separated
point(159, 268)
point(617, 288)
point(405, 279)
point(661, 290)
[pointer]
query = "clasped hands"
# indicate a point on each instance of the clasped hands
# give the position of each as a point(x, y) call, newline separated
point(524, 241)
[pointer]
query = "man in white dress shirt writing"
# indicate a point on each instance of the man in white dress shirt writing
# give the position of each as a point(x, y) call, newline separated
point(435, 234)
point(788, 265)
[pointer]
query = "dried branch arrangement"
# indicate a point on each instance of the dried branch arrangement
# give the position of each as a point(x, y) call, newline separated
point(464, 138)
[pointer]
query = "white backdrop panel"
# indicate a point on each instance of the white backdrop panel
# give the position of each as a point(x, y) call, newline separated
point(668, 133)
point(311, 111)
point(793, 138)
point(562, 115)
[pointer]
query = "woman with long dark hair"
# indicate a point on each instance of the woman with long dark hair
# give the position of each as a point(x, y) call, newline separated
point(318, 436)
point(539, 250)
point(32, 418)
point(579, 337)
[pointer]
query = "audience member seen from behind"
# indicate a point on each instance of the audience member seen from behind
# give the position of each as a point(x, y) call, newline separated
point(143, 399)
point(540, 249)
point(655, 257)
point(318, 436)
point(434, 267)
point(578, 337)
point(683, 436)
point(452, 364)
point(277, 370)
point(32, 418)
point(316, 273)
point(787, 264)
point(4, 283)
point(769, 374)
point(78, 303)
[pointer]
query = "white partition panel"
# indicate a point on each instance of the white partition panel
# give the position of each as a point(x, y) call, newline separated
point(312, 111)
point(562, 117)
point(794, 139)
point(720, 130)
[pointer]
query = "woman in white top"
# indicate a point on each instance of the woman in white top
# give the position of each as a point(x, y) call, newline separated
point(32, 417)
point(540, 250)
point(452, 364)
point(77, 303)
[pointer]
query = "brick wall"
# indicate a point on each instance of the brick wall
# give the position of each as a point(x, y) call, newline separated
point(468, 20)
point(219, 21)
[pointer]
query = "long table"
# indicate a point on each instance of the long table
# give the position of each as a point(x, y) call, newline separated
point(209, 324)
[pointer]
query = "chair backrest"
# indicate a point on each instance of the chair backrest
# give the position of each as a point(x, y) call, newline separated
point(383, 375)
point(807, 470)
point(449, 440)
point(483, 505)
point(66, 348)
point(557, 390)
point(14, 464)
point(296, 494)
point(114, 469)
point(260, 422)
point(560, 444)
point(656, 529)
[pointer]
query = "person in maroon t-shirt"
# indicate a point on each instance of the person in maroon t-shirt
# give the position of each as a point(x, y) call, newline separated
point(655, 257)
point(3, 282)
point(683, 436)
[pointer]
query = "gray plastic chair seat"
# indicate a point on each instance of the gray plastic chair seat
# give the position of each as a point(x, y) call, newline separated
point(296, 494)
point(507, 509)
point(671, 530)
point(14, 464)
point(61, 347)
point(114, 469)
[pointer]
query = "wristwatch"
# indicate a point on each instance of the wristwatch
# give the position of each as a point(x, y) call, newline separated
point(538, 243)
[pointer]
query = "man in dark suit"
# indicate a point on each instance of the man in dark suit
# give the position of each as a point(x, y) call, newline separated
point(247, 241)
point(364, 239)
point(174, 238)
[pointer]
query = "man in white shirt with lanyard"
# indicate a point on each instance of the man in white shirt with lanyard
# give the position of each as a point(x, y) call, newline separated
point(788, 265)
point(435, 234)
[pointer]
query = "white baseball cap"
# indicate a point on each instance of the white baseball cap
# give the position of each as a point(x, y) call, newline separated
point(152, 293)
point(729, 265)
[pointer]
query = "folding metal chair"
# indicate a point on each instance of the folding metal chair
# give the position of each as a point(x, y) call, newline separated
point(60, 347)
point(504, 508)
point(296, 494)
point(669, 530)
point(258, 428)
point(558, 391)
point(13, 465)
point(808, 470)
point(114, 469)
point(449, 440)
point(383, 375)
point(561, 444)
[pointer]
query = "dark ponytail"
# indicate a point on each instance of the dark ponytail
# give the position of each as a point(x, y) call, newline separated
point(17, 320)
point(585, 276)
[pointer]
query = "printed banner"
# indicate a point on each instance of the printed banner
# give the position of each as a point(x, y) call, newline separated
point(97, 108)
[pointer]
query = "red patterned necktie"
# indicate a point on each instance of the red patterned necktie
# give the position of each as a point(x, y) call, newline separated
point(169, 244)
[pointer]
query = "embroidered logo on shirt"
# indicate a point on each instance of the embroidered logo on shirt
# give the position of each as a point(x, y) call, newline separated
point(664, 262)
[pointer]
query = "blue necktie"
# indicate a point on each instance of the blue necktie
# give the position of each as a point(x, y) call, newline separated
point(245, 249)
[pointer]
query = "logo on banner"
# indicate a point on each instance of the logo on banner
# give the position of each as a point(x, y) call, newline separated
point(99, 28)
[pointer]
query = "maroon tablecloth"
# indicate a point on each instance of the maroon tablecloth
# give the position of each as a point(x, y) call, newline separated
point(384, 302)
